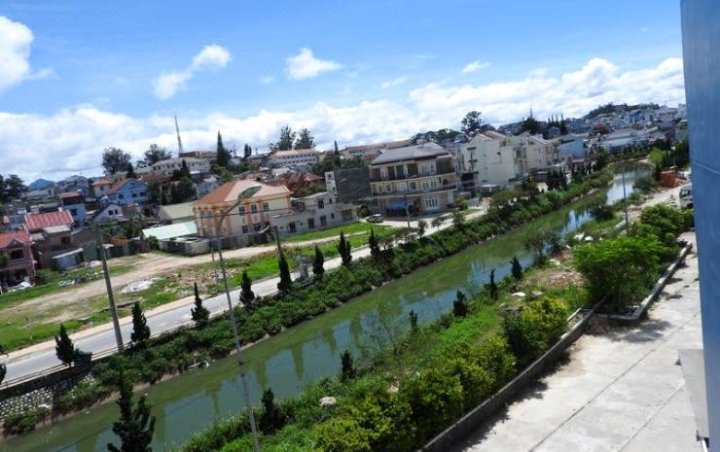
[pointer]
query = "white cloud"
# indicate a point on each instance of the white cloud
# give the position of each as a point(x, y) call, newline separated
point(267, 79)
point(42, 74)
point(474, 67)
point(394, 82)
point(15, 41)
point(72, 139)
point(305, 65)
point(211, 57)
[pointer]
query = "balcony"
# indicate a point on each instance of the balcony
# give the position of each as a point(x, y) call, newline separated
point(411, 175)
point(447, 187)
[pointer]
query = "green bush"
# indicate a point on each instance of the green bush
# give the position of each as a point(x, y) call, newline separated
point(342, 434)
point(534, 328)
point(18, 423)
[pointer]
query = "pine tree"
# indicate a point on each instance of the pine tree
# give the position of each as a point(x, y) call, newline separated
point(130, 174)
point(285, 283)
point(247, 151)
point(516, 268)
point(344, 250)
point(460, 307)
point(222, 157)
point(272, 417)
point(64, 348)
point(246, 294)
point(318, 263)
point(492, 287)
point(348, 371)
point(413, 321)
point(199, 313)
point(140, 332)
point(135, 426)
point(374, 245)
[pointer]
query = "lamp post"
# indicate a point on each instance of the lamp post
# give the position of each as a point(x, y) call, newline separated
point(247, 193)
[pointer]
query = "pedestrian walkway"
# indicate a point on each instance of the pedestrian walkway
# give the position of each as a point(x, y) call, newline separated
point(621, 390)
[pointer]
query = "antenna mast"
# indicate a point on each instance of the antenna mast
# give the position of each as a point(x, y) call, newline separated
point(180, 146)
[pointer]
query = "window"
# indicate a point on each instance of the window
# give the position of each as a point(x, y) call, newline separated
point(332, 216)
point(266, 207)
point(291, 227)
point(257, 227)
point(65, 240)
point(321, 204)
point(253, 208)
point(241, 210)
point(311, 223)
point(16, 254)
point(323, 221)
point(245, 229)
point(431, 203)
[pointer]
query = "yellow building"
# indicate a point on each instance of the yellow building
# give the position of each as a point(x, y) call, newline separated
point(249, 218)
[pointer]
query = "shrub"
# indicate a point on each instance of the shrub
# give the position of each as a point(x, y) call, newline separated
point(18, 423)
point(601, 211)
point(342, 434)
point(537, 326)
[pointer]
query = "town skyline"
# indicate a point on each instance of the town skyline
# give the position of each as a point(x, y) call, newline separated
point(70, 97)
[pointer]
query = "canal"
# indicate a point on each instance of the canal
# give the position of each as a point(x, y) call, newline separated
point(303, 354)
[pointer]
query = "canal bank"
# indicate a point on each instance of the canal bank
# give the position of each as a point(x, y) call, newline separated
point(290, 361)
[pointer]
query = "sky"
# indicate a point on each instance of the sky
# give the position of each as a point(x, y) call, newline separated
point(81, 76)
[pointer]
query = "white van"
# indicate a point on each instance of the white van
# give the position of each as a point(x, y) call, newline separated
point(686, 199)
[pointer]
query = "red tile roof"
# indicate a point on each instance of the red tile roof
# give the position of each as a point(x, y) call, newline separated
point(230, 191)
point(37, 221)
point(8, 237)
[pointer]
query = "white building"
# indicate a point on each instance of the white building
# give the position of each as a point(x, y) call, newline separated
point(487, 159)
point(314, 212)
point(532, 153)
point(297, 157)
point(168, 166)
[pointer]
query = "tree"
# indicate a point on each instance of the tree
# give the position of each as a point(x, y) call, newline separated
point(64, 348)
point(347, 365)
point(11, 188)
point(516, 268)
point(199, 313)
point(154, 154)
point(422, 227)
point(141, 331)
point(285, 283)
point(247, 151)
point(492, 287)
point(622, 268)
point(114, 160)
point(272, 417)
point(601, 159)
point(460, 306)
point(374, 245)
point(222, 156)
point(318, 263)
point(458, 219)
point(130, 172)
point(305, 140)
point(247, 296)
point(536, 242)
point(471, 123)
point(413, 321)
point(135, 426)
point(286, 141)
point(531, 125)
point(344, 250)
point(3, 367)
point(437, 221)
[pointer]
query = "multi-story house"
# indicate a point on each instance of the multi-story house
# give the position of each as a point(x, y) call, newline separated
point(101, 187)
point(413, 179)
point(532, 153)
point(487, 162)
point(128, 191)
point(16, 258)
point(51, 234)
point(75, 183)
point(74, 202)
point(297, 157)
point(310, 213)
point(370, 151)
point(251, 217)
point(348, 184)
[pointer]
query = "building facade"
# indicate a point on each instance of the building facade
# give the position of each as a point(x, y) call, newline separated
point(128, 191)
point(298, 157)
point(248, 219)
point(168, 166)
point(16, 258)
point(488, 159)
point(413, 179)
point(314, 212)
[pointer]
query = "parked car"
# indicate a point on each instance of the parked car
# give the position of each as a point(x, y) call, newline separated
point(376, 218)
point(686, 199)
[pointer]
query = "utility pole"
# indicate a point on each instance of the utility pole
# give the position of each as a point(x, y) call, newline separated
point(276, 235)
point(627, 223)
point(111, 298)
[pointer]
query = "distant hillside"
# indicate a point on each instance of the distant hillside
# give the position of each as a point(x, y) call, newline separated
point(613, 108)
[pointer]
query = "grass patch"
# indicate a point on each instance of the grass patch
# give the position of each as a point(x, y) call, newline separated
point(348, 229)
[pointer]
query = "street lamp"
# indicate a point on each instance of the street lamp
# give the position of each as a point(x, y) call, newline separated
point(245, 194)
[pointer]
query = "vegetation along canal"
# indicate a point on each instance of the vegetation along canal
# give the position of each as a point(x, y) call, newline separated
point(310, 351)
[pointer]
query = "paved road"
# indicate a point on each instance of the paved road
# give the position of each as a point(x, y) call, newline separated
point(41, 356)
point(622, 389)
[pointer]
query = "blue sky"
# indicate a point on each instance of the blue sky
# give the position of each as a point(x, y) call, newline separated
point(85, 75)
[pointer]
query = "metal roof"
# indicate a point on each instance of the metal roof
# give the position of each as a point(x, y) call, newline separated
point(171, 231)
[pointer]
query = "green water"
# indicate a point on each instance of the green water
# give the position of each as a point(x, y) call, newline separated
point(301, 355)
